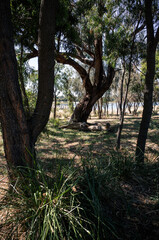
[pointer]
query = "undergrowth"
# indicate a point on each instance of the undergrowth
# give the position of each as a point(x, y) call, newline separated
point(94, 201)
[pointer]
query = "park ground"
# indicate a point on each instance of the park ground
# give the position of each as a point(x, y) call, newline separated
point(139, 188)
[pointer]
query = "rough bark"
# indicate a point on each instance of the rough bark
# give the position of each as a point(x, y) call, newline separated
point(46, 68)
point(152, 41)
point(19, 135)
point(101, 83)
point(17, 143)
point(84, 107)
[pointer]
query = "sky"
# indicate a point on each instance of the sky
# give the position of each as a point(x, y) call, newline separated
point(34, 63)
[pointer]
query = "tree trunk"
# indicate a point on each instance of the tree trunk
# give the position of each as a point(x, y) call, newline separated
point(117, 109)
point(16, 136)
point(83, 109)
point(123, 103)
point(19, 136)
point(94, 109)
point(112, 108)
point(46, 68)
point(100, 103)
point(107, 104)
point(55, 105)
point(95, 90)
point(147, 109)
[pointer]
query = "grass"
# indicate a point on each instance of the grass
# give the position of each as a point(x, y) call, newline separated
point(84, 189)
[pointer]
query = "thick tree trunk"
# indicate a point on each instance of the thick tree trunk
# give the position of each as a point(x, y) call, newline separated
point(83, 109)
point(94, 93)
point(19, 136)
point(148, 104)
point(101, 82)
point(16, 136)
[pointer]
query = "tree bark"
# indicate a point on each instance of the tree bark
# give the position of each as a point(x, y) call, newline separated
point(95, 90)
point(149, 79)
point(19, 136)
point(46, 68)
point(84, 107)
point(100, 103)
point(121, 108)
point(17, 141)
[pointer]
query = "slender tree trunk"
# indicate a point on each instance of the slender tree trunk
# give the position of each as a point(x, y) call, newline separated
point(122, 113)
point(94, 109)
point(55, 105)
point(112, 109)
point(123, 107)
point(152, 42)
point(46, 68)
point(104, 109)
point(107, 104)
point(117, 108)
point(99, 108)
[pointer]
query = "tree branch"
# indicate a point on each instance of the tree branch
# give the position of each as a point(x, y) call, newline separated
point(63, 58)
point(30, 55)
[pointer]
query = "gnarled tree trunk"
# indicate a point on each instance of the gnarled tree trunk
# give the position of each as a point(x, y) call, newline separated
point(101, 82)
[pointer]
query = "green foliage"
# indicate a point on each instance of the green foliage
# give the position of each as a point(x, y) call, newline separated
point(55, 122)
point(66, 23)
point(25, 18)
point(47, 208)
point(70, 204)
point(156, 78)
point(68, 84)
point(32, 89)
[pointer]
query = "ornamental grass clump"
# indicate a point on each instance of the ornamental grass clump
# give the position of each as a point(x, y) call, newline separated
point(41, 207)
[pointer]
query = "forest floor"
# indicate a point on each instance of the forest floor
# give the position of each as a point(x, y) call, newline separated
point(140, 188)
point(63, 144)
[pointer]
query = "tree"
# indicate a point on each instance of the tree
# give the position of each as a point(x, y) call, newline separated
point(152, 41)
point(156, 78)
point(135, 95)
point(87, 57)
point(20, 135)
